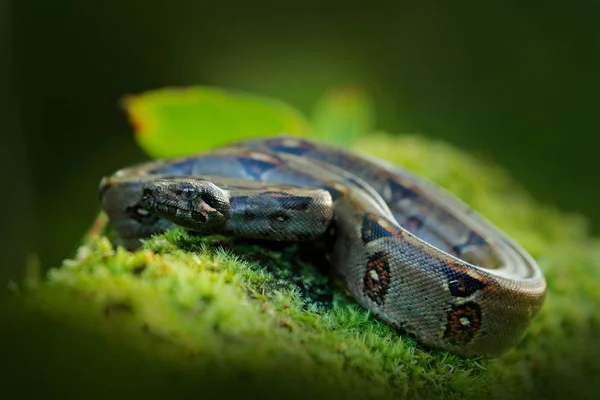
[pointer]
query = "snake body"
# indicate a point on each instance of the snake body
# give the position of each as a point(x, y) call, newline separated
point(414, 255)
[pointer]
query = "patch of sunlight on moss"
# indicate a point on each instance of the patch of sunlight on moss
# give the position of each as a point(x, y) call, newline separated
point(250, 307)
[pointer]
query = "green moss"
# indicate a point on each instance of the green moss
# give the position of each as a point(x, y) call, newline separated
point(213, 313)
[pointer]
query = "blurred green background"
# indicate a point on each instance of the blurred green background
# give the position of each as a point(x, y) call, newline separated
point(515, 82)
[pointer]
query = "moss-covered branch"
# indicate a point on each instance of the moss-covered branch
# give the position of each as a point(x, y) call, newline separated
point(223, 316)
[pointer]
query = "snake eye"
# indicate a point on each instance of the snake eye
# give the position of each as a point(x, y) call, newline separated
point(189, 192)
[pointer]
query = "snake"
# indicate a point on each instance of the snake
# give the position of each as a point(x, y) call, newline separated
point(410, 252)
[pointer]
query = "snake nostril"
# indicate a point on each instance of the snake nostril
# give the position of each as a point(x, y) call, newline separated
point(148, 191)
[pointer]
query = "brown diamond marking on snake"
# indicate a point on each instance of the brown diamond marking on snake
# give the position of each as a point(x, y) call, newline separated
point(462, 323)
point(375, 227)
point(473, 240)
point(255, 167)
point(460, 283)
point(377, 277)
point(289, 201)
point(399, 191)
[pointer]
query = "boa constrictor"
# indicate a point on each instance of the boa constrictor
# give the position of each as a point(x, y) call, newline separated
point(411, 253)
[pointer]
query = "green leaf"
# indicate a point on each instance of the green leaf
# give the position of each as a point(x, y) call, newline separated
point(342, 114)
point(174, 122)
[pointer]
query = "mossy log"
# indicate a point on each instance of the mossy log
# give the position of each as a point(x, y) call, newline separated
point(212, 316)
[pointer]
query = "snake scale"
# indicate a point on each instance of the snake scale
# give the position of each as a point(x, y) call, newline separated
point(411, 253)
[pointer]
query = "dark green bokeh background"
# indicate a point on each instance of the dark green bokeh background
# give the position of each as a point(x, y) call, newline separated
point(516, 82)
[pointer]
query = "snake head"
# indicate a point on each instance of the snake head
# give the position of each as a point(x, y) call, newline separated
point(120, 201)
point(189, 202)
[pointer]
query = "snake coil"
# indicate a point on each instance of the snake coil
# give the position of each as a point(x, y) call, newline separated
point(411, 253)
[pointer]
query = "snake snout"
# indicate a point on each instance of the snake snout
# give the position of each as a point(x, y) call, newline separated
point(150, 196)
point(149, 190)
